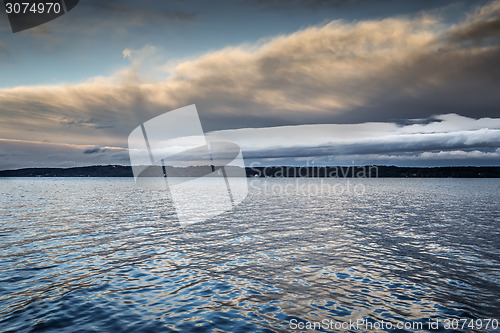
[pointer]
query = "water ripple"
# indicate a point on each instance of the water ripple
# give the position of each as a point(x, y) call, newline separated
point(103, 255)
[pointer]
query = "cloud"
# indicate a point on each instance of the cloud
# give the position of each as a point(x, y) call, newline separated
point(127, 53)
point(338, 72)
point(443, 132)
point(92, 123)
point(27, 154)
point(460, 154)
point(482, 24)
point(92, 150)
point(443, 139)
point(440, 158)
point(374, 71)
point(318, 74)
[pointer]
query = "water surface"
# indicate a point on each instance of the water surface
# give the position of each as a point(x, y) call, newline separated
point(100, 254)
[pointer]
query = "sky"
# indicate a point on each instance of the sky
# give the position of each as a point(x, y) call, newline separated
point(292, 82)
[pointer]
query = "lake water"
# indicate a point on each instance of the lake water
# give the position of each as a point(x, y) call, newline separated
point(100, 254)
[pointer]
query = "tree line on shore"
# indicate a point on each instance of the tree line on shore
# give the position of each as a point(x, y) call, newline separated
point(371, 171)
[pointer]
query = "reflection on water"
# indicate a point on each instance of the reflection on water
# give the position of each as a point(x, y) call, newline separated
point(104, 255)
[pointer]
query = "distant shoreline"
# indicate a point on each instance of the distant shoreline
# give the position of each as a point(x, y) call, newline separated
point(368, 171)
